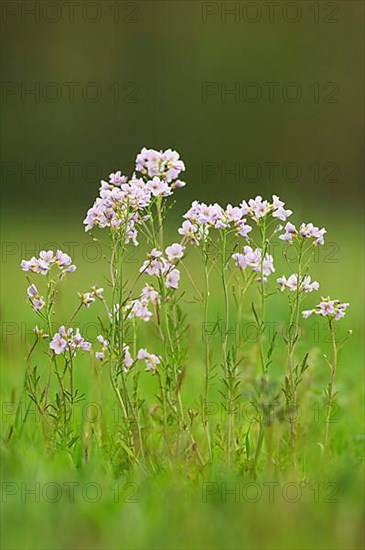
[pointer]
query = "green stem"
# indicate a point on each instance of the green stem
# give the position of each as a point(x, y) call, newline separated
point(224, 347)
point(331, 383)
point(207, 351)
point(292, 339)
point(263, 299)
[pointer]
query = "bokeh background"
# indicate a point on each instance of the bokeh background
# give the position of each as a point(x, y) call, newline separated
point(138, 75)
point(84, 88)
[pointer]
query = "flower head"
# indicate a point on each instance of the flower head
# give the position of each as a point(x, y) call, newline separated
point(166, 165)
point(253, 259)
point(88, 298)
point(158, 187)
point(258, 208)
point(291, 283)
point(46, 260)
point(306, 231)
point(328, 308)
point(68, 340)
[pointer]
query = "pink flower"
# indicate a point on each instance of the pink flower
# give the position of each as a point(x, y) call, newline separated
point(150, 359)
point(172, 279)
point(243, 229)
point(191, 231)
point(290, 232)
point(149, 294)
point(178, 184)
point(328, 308)
point(36, 299)
point(117, 178)
point(259, 207)
point(308, 231)
point(291, 283)
point(253, 259)
point(139, 310)
point(58, 344)
point(279, 210)
point(86, 299)
point(167, 165)
point(233, 213)
point(68, 340)
point(46, 261)
point(158, 187)
point(127, 358)
point(32, 291)
point(38, 303)
point(175, 252)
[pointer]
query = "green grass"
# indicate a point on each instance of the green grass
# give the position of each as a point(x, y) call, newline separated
point(172, 508)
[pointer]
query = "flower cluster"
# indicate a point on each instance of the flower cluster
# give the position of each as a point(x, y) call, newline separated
point(139, 308)
point(328, 308)
point(118, 207)
point(122, 203)
point(258, 208)
point(88, 298)
point(291, 283)
point(68, 340)
point(253, 259)
point(117, 178)
point(36, 299)
point(47, 259)
point(165, 165)
point(159, 266)
point(200, 217)
point(150, 359)
point(306, 231)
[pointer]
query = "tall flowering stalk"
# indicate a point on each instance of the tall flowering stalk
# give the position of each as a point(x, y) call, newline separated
point(334, 311)
point(128, 207)
point(265, 215)
point(299, 284)
point(64, 343)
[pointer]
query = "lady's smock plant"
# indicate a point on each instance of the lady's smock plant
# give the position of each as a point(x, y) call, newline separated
point(238, 248)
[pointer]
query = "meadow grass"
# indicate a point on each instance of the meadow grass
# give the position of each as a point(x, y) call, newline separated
point(87, 497)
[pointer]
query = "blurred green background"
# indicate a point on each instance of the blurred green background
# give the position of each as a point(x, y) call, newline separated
point(147, 65)
point(161, 71)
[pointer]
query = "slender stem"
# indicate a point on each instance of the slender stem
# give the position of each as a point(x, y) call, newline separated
point(117, 329)
point(49, 303)
point(226, 303)
point(207, 350)
point(263, 298)
point(71, 387)
point(292, 340)
point(160, 221)
point(331, 383)
point(224, 346)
